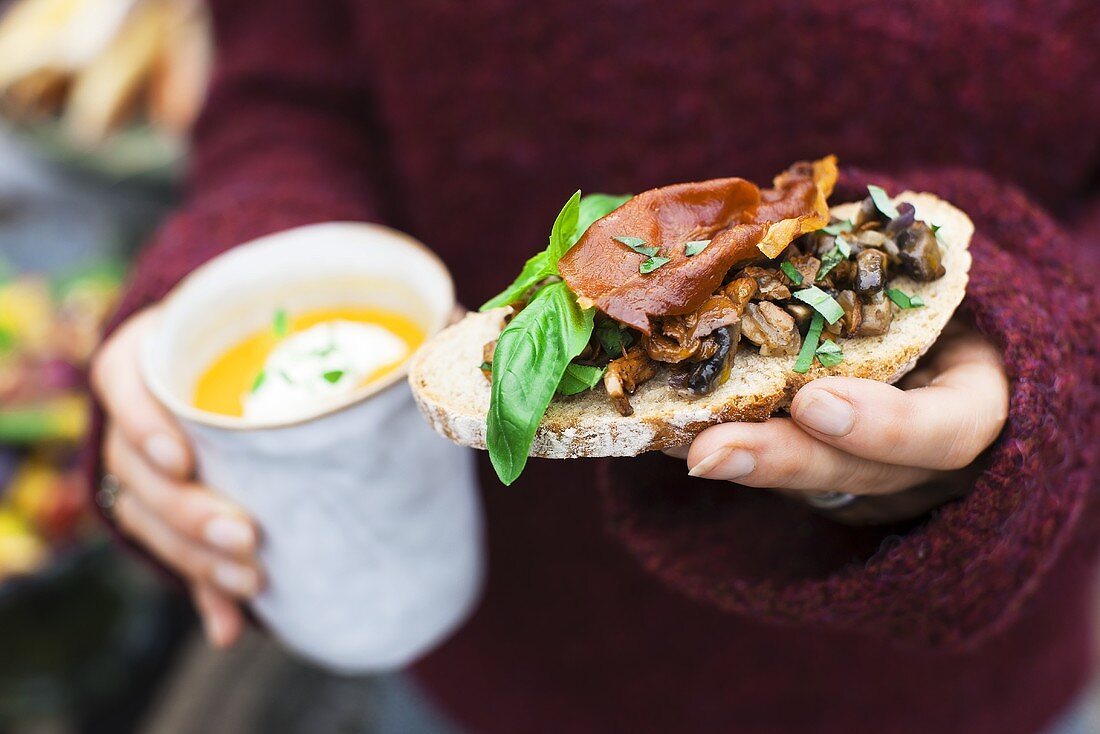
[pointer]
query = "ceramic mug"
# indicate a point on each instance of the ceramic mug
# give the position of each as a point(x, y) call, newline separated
point(371, 528)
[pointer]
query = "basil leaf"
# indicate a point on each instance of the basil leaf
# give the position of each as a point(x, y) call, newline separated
point(882, 201)
point(531, 356)
point(809, 345)
point(281, 323)
point(791, 272)
point(904, 300)
point(830, 260)
point(614, 339)
point(534, 272)
point(258, 381)
point(561, 234)
point(333, 376)
point(829, 354)
point(652, 264)
point(822, 302)
point(578, 378)
point(575, 218)
point(695, 247)
point(486, 367)
point(835, 229)
point(636, 244)
point(596, 206)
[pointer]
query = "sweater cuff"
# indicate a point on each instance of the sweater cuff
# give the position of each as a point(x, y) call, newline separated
point(964, 571)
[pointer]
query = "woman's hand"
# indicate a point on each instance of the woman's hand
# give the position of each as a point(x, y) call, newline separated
point(911, 448)
point(204, 538)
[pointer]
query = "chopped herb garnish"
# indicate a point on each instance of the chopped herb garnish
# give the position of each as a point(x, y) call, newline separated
point(486, 367)
point(287, 378)
point(843, 246)
point(615, 340)
point(882, 201)
point(694, 247)
point(281, 323)
point(333, 376)
point(838, 227)
point(936, 228)
point(829, 354)
point(809, 345)
point(791, 272)
point(821, 302)
point(258, 381)
point(904, 300)
point(638, 245)
point(652, 264)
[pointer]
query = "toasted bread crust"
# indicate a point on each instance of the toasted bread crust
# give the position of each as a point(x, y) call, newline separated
point(454, 395)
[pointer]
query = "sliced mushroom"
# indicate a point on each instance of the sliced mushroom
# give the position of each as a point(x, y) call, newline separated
point(875, 316)
point(771, 328)
point(807, 266)
point(802, 313)
point(920, 254)
point(704, 377)
point(768, 282)
point(667, 349)
point(868, 214)
point(853, 312)
point(907, 215)
point(870, 272)
point(623, 376)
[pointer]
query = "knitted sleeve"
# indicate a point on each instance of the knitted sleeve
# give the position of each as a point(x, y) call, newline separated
point(966, 569)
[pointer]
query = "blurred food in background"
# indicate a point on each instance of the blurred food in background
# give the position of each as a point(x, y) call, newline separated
point(48, 330)
point(115, 84)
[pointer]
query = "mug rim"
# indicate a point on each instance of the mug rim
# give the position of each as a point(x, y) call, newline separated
point(185, 411)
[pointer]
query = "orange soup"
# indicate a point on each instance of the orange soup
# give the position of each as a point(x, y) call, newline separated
point(251, 368)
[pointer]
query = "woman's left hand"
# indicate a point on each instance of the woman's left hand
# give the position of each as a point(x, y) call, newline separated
point(910, 447)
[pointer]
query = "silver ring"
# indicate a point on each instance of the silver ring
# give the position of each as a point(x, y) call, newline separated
point(106, 497)
point(830, 500)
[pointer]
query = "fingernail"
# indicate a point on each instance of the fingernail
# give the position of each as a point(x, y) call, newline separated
point(824, 412)
point(236, 579)
point(229, 534)
point(725, 463)
point(166, 453)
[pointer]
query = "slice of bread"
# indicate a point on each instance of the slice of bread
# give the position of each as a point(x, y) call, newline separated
point(454, 395)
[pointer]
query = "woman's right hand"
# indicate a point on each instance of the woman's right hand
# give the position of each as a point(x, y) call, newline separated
point(205, 539)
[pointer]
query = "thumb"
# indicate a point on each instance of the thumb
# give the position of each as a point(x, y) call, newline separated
point(146, 425)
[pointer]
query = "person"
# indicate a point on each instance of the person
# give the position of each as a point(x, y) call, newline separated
point(625, 595)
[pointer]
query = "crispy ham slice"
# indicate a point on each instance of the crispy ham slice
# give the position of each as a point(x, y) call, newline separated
point(739, 219)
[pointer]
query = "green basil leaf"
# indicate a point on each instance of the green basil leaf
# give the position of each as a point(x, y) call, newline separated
point(843, 247)
point(486, 367)
point(882, 201)
point(614, 339)
point(903, 299)
point(333, 376)
point(534, 272)
point(821, 302)
point(281, 323)
point(829, 354)
point(652, 264)
point(531, 356)
point(837, 228)
point(809, 345)
point(561, 234)
point(596, 206)
point(830, 260)
point(791, 272)
point(578, 378)
point(258, 381)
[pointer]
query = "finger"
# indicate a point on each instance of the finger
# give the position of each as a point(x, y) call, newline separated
point(117, 382)
point(222, 619)
point(190, 510)
point(944, 425)
point(190, 559)
point(677, 452)
point(778, 455)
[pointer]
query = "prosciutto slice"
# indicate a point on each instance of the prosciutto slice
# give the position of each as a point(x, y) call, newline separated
point(741, 221)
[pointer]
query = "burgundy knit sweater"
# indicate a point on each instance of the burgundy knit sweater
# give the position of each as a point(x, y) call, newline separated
point(624, 596)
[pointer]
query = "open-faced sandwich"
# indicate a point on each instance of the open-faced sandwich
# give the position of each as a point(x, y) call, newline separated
point(649, 318)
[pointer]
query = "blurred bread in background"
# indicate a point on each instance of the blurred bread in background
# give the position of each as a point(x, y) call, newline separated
point(98, 66)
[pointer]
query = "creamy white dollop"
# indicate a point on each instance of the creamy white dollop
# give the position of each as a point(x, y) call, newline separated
point(318, 366)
